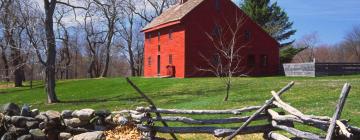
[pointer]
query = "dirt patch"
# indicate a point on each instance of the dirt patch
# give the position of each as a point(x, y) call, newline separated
point(6, 86)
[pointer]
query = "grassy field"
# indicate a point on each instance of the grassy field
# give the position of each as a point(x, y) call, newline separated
point(316, 96)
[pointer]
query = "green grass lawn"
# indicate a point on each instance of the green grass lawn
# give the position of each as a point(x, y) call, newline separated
point(316, 96)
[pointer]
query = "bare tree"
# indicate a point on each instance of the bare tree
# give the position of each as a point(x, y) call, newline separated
point(109, 9)
point(49, 7)
point(95, 38)
point(12, 30)
point(5, 62)
point(3, 45)
point(139, 56)
point(352, 42)
point(226, 61)
point(310, 42)
point(128, 29)
point(63, 36)
point(34, 33)
point(45, 29)
point(149, 9)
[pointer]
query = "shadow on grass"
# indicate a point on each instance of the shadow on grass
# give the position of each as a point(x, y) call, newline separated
point(116, 98)
point(203, 93)
point(24, 88)
point(20, 89)
point(121, 98)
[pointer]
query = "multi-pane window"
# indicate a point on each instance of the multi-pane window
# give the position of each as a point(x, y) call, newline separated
point(149, 61)
point(170, 59)
point(159, 36)
point(251, 60)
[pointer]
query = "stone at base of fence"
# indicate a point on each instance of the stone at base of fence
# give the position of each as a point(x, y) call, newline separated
point(23, 123)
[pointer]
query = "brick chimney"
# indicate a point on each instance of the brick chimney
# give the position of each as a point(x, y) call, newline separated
point(182, 1)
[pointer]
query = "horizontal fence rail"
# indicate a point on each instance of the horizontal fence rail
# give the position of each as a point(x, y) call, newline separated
point(146, 119)
point(321, 69)
point(193, 112)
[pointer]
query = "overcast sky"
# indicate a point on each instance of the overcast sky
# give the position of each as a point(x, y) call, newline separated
point(331, 19)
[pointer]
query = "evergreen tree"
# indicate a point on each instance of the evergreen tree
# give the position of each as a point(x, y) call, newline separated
point(271, 18)
point(288, 53)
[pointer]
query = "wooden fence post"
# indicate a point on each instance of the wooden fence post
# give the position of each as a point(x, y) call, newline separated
point(158, 115)
point(339, 107)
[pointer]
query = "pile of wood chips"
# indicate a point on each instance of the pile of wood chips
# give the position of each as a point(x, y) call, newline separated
point(127, 132)
point(6, 86)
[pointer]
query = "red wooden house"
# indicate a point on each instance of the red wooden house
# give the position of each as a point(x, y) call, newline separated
point(175, 39)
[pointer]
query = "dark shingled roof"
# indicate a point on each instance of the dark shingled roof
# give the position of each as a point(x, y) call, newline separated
point(174, 13)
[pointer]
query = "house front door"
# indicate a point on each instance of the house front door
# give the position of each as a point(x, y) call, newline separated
point(158, 65)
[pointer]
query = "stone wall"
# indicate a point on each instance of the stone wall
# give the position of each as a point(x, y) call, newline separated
point(26, 124)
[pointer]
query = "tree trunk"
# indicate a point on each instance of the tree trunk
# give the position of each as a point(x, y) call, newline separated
point(140, 61)
point(108, 46)
point(51, 55)
point(107, 60)
point(6, 65)
point(227, 92)
point(131, 55)
point(18, 73)
point(31, 75)
point(76, 65)
point(15, 50)
point(67, 72)
point(91, 68)
point(67, 54)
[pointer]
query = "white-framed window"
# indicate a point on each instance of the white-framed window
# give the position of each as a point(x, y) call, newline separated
point(170, 59)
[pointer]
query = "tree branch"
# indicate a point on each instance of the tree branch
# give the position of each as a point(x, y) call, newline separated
point(72, 6)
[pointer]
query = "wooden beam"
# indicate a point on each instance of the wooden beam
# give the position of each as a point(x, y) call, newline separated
point(286, 118)
point(217, 131)
point(297, 133)
point(288, 108)
point(187, 120)
point(343, 129)
point(339, 107)
point(276, 136)
point(266, 105)
point(180, 111)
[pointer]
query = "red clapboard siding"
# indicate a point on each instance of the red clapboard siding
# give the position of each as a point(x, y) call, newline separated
point(189, 40)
